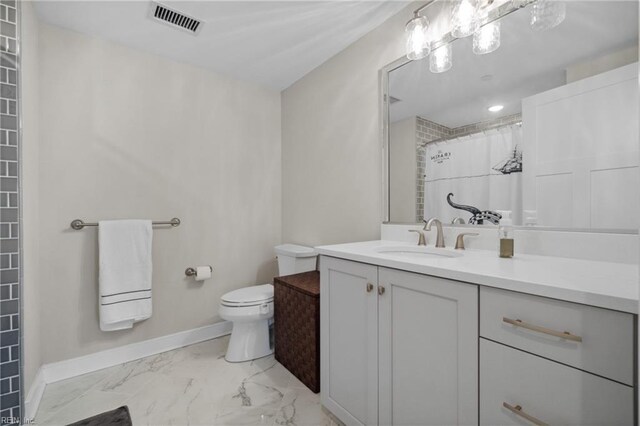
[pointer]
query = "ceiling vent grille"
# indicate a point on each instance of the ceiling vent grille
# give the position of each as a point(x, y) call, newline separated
point(176, 19)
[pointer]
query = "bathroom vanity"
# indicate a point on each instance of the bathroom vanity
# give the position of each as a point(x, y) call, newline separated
point(542, 135)
point(435, 336)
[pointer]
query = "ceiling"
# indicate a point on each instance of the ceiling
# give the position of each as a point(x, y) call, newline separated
point(527, 62)
point(265, 42)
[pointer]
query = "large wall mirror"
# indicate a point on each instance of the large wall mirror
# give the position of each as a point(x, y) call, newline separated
point(545, 127)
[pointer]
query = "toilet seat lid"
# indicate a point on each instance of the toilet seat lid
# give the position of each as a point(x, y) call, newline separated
point(252, 294)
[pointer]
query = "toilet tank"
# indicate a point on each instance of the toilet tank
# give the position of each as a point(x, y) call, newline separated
point(293, 259)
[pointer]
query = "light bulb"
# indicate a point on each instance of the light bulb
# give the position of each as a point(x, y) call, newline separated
point(440, 59)
point(495, 108)
point(417, 43)
point(464, 18)
point(546, 14)
point(487, 38)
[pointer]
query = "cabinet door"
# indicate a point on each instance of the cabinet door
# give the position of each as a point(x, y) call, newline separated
point(518, 388)
point(428, 350)
point(348, 340)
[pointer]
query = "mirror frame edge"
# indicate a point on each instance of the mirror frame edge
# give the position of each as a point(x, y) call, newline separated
point(383, 113)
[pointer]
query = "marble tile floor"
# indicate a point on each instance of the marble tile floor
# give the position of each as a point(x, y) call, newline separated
point(193, 385)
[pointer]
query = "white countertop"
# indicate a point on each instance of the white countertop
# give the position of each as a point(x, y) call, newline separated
point(603, 284)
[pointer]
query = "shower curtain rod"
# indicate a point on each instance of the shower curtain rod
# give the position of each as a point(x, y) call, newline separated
point(473, 132)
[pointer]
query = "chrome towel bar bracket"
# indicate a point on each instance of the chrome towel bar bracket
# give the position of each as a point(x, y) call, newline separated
point(78, 224)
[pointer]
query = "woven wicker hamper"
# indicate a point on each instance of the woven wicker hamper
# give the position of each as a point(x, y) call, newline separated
point(297, 326)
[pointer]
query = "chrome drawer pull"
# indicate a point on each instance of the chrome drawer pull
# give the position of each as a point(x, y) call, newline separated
point(517, 410)
point(562, 334)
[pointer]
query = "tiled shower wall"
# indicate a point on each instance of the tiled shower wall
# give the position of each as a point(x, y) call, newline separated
point(427, 131)
point(10, 304)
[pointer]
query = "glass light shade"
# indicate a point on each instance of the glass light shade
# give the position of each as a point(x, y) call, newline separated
point(487, 38)
point(464, 18)
point(440, 59)
point(417, 43)
point(546, 14)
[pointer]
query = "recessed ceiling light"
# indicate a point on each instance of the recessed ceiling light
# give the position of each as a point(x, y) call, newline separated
point(495, 108)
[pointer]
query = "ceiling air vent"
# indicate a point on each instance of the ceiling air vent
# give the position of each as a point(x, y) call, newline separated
point(176, 19)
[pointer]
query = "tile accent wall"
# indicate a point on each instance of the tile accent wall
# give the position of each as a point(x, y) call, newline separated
point(10, 272)
point(427, 131)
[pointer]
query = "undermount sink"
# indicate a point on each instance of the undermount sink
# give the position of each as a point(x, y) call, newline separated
point(417, 252)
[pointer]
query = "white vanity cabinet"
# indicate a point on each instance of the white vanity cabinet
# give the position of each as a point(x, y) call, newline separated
point(407, 348)
point(397, 347)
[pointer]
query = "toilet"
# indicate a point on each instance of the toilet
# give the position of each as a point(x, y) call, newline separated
point(250, 309)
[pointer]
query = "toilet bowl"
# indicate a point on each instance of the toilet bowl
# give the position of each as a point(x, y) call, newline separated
point(250, 309)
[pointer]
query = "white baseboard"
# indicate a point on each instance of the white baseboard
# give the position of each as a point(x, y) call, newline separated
point(32, 401)
point(56, 371)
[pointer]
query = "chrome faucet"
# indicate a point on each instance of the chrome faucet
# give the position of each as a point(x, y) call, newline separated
point(457, 220)
point(421, 239)
point(440, 236)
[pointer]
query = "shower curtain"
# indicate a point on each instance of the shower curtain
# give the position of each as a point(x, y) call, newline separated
point(483, 170)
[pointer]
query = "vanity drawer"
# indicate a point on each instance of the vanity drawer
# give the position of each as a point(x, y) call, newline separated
point(601, 341)
point(549, 392)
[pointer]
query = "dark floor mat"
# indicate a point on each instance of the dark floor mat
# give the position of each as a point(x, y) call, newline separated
point(118, 417)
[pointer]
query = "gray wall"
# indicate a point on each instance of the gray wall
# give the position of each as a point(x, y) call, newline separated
point(126, 134)
point(10, 294)
point(331, 148)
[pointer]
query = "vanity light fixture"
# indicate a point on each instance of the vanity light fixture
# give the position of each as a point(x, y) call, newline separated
point(441, 59)
point(547, 14)
point(418, 45)
point(495, 108)
point(487, 38)
point(467, 17)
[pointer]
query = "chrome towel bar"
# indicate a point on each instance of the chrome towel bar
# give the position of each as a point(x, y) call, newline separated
point(78, 224)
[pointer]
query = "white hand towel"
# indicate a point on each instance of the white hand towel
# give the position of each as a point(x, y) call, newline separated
point(125, 272)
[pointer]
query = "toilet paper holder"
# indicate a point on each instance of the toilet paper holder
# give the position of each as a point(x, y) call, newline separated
point(191, 271)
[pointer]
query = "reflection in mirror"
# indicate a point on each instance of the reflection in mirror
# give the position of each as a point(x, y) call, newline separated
point(545, 126)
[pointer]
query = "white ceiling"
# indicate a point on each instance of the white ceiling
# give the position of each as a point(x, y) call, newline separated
point(266, 42)
point(527, 62)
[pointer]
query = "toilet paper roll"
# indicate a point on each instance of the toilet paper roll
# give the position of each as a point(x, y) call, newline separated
point(203, 273)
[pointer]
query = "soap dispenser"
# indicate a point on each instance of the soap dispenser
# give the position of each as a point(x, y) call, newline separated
point(505, 230)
